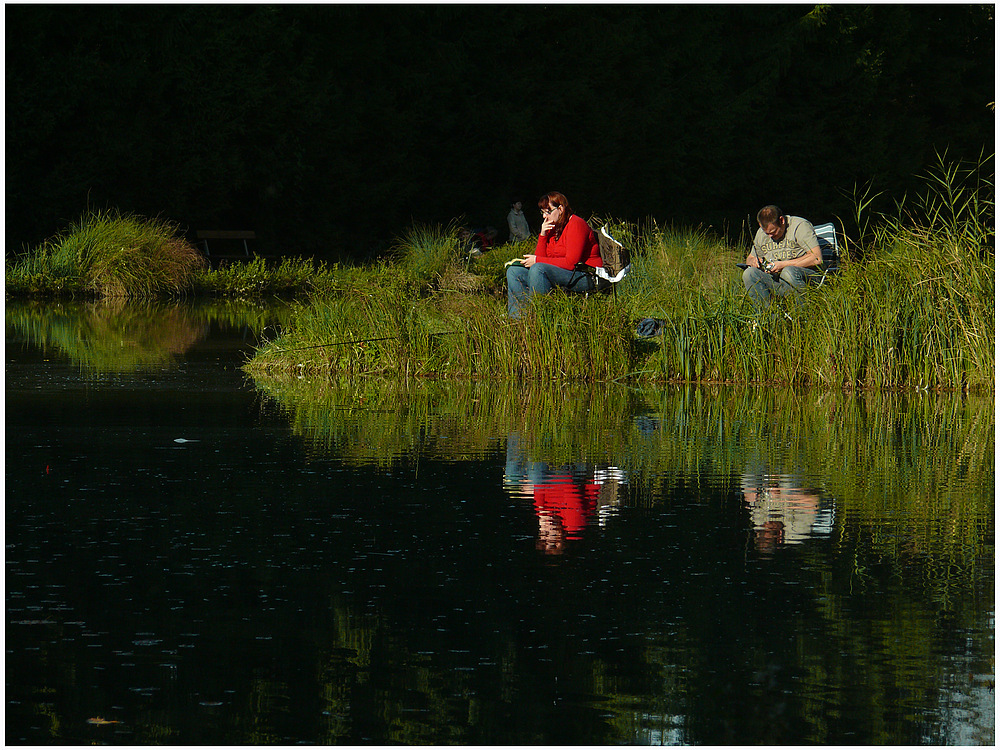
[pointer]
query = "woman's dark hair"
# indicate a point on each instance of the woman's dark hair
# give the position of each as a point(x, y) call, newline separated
point(553, 199)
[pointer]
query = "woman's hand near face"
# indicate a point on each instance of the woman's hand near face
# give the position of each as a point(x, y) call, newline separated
point(550, 217)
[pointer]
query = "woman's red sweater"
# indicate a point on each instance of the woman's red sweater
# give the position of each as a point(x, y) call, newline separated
point(577, 243)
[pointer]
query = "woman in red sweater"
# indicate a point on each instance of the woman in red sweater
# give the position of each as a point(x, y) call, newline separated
point(565, 256)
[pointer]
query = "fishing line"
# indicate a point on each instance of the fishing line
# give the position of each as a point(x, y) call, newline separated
point(359, 341)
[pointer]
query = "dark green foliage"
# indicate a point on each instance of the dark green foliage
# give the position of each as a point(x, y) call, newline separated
point(329, 129)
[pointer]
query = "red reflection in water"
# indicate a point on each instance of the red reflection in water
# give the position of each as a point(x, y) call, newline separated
point(563, 508)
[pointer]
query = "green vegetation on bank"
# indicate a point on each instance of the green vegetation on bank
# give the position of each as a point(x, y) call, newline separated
point(114, 255)
point(107, 254)
point(912, 306)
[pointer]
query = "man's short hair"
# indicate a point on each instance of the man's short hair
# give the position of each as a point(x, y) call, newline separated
point(769, 215)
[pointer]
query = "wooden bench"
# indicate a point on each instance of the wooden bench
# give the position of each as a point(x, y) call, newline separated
point(204, 235)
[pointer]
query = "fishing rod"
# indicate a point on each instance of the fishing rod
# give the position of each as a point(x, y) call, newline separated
point(359, 341)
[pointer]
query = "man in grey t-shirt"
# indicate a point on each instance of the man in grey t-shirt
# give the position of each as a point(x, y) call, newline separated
point(785, 254)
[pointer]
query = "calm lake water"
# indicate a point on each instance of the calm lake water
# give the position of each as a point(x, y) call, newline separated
point(195, 557)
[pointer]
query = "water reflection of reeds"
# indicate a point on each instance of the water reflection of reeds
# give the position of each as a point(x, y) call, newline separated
point(926, 457)
point(911, 476)
point(119, 335)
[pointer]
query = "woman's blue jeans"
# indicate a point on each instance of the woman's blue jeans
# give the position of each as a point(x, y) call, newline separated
point(760, 285)
point(542, 278)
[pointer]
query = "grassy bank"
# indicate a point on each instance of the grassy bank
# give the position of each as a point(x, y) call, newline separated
point(912, 308)
point(109, 255)
point(917, 312)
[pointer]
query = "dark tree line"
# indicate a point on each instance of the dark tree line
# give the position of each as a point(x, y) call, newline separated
point(329, 129)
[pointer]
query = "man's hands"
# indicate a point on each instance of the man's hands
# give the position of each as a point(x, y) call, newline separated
point(773, 267)
point(813, 258)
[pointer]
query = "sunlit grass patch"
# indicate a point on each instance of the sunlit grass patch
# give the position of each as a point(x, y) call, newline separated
point(109, 254)
point(915, 312)
point(260, 277)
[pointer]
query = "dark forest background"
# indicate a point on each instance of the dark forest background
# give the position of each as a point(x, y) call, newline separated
point(330, 129)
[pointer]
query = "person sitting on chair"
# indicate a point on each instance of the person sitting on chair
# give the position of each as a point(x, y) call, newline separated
point(785, 254)
point(566, 254)
point(517, 223)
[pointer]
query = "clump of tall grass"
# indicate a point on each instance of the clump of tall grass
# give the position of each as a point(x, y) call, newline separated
point(425, 254)
point(375, 329)
point(672, 266)
point(110, 254)
point(920, 308)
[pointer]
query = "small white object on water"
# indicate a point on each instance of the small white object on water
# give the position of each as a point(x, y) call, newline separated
point(185, 440)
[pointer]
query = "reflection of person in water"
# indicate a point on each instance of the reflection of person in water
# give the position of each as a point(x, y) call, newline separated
point(565, 499)
point(781, 511)
point(563, 508)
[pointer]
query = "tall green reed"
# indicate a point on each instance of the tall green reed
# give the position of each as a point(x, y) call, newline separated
point(389, 331)
point(425, 253)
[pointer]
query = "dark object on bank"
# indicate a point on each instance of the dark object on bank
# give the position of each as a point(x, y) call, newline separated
point(649, 327)
point(230, 250)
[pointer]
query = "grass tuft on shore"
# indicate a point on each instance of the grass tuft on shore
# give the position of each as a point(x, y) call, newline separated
point(109, 254)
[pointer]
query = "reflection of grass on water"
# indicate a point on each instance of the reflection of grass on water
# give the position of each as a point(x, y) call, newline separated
point(376, 421)
point(111, 336)
point(120, 336)
point(927, 457)
point(911, 477)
